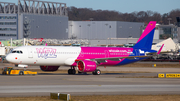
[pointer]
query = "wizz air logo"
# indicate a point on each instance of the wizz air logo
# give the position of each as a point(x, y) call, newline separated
point(141, 51)
point(46, 52)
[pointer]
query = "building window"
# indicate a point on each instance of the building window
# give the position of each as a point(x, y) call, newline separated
point(7, 23)
point(10, 35)
point(166, 33)
point(7, 17)
point(7, 29)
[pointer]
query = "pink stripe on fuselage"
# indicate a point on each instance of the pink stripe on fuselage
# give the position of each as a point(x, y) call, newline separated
point(148, 29)
point(104, 52)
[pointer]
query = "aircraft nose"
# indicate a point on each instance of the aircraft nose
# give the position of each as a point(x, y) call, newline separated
point(8, 58)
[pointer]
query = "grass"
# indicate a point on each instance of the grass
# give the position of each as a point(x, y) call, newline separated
point(137, 77)
point(102, 98)
point(127, 98)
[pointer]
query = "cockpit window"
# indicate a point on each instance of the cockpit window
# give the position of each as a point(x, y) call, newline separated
point(17, 51)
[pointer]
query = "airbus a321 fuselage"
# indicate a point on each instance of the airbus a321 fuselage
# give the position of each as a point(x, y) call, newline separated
point(83, 59)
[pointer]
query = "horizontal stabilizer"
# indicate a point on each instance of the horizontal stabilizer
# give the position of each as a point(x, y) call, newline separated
point(160, 49)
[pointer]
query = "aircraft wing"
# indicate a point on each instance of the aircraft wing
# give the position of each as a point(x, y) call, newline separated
point(117, 58)
point(100, 60)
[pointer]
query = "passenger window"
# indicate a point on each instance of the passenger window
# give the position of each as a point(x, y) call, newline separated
point(13, 51)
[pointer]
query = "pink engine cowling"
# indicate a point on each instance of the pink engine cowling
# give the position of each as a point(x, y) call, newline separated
point(49, 68)
point(86, 66)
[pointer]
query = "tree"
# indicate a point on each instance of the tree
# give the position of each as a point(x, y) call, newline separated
point(173, 14)
point(81, 14)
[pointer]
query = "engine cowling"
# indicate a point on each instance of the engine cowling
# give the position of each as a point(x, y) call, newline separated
point(49, 68)
point(86, 66)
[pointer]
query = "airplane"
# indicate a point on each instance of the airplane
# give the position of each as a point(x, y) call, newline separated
point(84, 59)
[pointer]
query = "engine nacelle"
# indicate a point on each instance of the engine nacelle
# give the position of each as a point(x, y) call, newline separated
point(49, 68)
point(86, 66)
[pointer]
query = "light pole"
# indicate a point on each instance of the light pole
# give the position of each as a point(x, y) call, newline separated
point(88, 30)
point(71, 33)
point(130, 32)
point(109, 33)
point(169, 20)
point(129, 35)
point(106, 34)
point(80, 31)
point(120, 27)
point(80, 34)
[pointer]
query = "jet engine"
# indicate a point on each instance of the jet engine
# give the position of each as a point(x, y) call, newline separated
point(49, 68)
point(86, 66)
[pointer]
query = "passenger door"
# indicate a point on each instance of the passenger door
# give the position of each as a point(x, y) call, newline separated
point(106, 53)
point(30, 52)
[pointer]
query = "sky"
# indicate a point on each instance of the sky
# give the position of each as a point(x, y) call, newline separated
point(123, 6)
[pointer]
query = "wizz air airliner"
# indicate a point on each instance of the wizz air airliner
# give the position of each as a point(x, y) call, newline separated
point(83, 59)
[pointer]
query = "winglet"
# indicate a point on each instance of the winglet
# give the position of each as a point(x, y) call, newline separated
point(160, 49)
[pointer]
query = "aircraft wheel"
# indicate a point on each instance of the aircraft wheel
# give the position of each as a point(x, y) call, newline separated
point(73, 71)
point(96, 72)
point(69, 71)
point(21, 73)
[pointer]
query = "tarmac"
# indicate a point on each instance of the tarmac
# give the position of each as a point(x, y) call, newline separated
point(143, 82)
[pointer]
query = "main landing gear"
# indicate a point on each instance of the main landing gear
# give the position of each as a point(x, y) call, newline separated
point(96, 72)
point(72, 70)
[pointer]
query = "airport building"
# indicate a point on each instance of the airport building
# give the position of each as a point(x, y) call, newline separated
point(49, 20)
point(8, 26)
point(33, 19)
point(117, 32)
point(178, 28)
point(104, 29)
point(8, 21)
